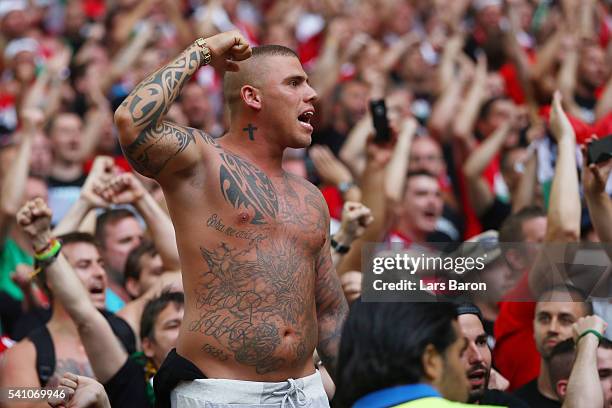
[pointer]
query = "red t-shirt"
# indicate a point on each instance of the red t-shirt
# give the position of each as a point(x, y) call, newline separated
point(515, 354)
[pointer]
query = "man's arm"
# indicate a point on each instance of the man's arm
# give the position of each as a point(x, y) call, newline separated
point(104, 351)
point(480, 195)
point(583, 387)
point(563, 216)
point(127, 189)
point(12, 187)
point(331, 307)
point(154, 147)
point(89, 199)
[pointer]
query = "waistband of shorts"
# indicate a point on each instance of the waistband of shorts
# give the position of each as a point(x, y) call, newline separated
point(227, 391)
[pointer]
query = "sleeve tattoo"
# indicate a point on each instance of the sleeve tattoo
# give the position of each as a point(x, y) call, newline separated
point(158, 142)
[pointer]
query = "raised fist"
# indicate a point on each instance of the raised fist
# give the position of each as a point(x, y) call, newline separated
point(592, 322)
point(123, 189)
point(100, 175)
point(225, 48)
point(34, 218)
point(355, 219)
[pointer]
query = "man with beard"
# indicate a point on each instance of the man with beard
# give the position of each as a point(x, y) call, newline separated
point(477, 361)
point(556, 311)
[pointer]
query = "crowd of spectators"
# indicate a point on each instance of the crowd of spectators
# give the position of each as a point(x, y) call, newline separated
point(490, 107)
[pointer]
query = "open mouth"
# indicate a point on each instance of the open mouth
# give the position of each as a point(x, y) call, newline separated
point(96, 290)
point(477, 378)
point(305, 118)
point(430, 215)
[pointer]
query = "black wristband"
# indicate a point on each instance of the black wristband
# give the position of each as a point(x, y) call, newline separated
point(341, 249)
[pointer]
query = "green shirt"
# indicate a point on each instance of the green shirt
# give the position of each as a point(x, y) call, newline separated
point(12, 255)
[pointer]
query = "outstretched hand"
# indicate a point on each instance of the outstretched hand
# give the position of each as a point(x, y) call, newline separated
point(225, 48)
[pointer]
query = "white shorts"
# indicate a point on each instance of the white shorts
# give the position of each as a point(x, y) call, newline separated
point(306, 392)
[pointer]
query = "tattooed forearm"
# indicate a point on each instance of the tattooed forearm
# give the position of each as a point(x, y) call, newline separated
point(332, 309)
point(152, 98)
point(150, 143)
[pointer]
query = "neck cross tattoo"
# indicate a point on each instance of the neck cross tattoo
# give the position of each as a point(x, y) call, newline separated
point(250, 128)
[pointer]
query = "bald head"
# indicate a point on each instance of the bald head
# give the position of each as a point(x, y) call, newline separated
point(251, 71)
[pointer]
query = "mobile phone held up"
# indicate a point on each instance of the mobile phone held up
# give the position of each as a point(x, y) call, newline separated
point(600, 150)
point(378, 110)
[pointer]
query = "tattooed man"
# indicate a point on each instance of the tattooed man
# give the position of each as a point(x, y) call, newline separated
point(260, 288)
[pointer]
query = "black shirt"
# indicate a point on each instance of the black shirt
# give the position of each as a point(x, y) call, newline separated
point(532, 396)
point(495, 215)
point(496, 397)
point(39, 317)
point(128, 387)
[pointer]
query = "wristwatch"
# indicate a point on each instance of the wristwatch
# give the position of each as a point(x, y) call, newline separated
point(339, 248)
point(345, 186)
point(204, 51)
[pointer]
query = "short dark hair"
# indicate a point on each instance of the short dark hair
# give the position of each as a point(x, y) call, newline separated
point(133, 266)
point(77, 237)
point(512, 228)
point(469, 308)
point(382, 345)
point(154, 307)
point(111, 216)
point(273, 50)
point(487, 106)
point(561, 361)
point(577, 295)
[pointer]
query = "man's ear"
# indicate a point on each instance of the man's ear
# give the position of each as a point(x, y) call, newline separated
point(147, 347)
point(561, 389)
point(132, 286)
point(432, 364)
point(251, 96)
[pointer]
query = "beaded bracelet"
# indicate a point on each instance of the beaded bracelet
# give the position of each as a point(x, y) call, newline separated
point(49, 254)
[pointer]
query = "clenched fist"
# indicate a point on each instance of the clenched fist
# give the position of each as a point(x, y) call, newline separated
point(123, 189)
point(34, 218)
point(225, 48)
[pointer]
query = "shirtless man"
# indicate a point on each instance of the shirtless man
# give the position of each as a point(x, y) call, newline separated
point(260, 288)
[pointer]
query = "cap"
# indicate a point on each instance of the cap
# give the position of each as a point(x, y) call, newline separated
point(484, 245)
point(6, 6)
point(20, 45)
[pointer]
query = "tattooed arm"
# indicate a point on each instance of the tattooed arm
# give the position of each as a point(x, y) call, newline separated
point(154, 147)
point(331, 308)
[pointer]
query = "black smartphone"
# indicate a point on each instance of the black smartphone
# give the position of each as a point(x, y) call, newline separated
point(600, 150)
point(381, 123)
